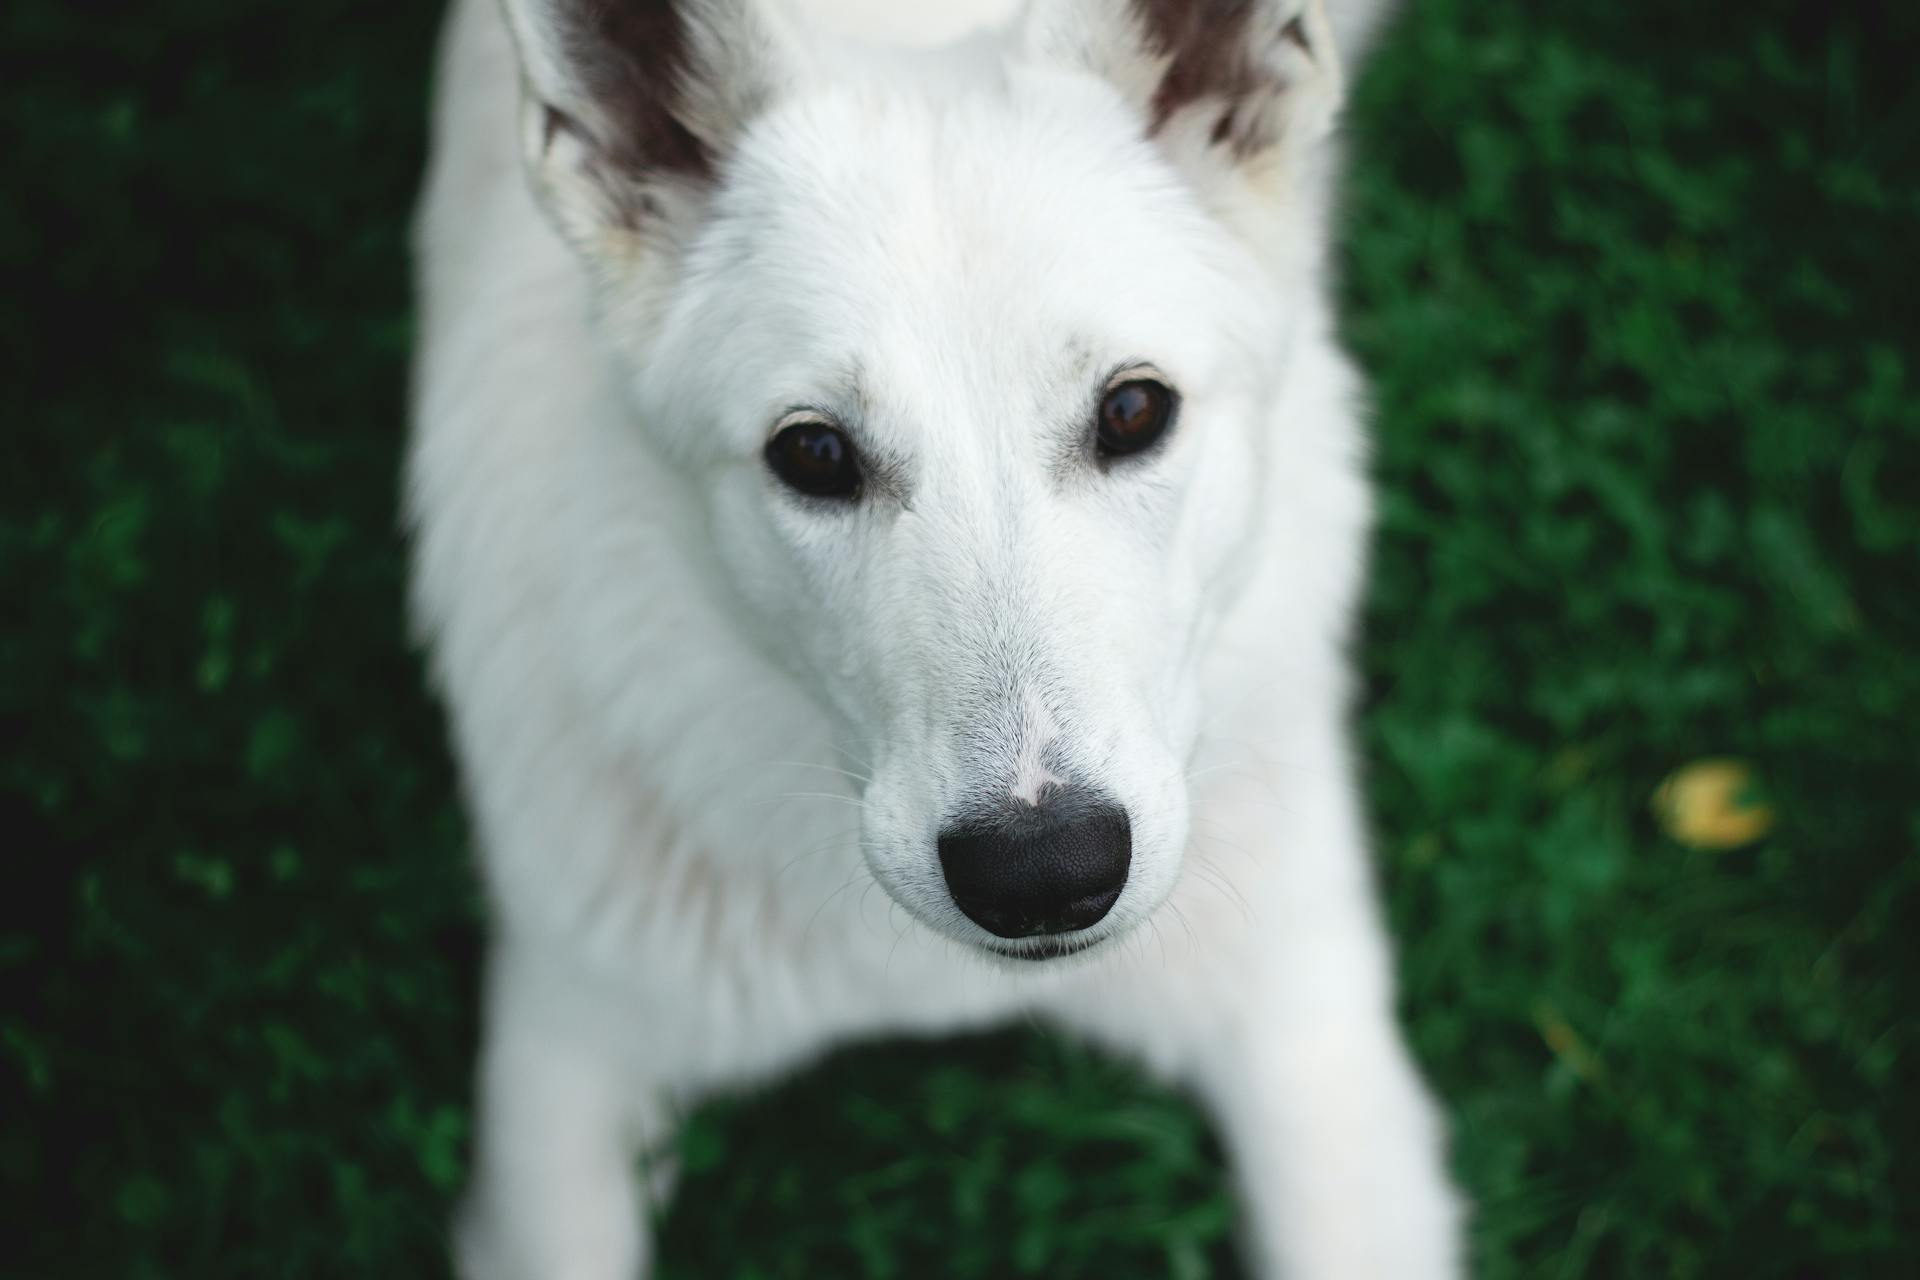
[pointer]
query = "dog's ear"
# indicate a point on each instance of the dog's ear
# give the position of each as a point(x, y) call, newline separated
point(631, 105)
point(1223, 85)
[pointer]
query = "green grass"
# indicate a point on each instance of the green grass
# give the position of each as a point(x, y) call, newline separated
point(1636, 285)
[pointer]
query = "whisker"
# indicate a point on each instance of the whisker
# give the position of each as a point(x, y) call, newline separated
point(815, 850)
point(858, 804)
point(861, 778)
point(1216, 838)
point(858, 869)
point(843, 749)
point(1212, 876)
point(1193, 940)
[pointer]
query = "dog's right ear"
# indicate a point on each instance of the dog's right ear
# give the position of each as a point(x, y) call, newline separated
point(632, 105)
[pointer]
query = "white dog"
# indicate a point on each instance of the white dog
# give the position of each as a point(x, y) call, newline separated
point(845, 463)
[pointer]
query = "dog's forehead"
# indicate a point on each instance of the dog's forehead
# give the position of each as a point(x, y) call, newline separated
point(956, 195)
point(1008, 240)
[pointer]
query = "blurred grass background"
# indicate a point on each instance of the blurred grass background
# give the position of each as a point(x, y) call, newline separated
point(1636, 283)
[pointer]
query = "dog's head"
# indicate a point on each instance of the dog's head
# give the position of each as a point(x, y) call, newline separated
point(972, 357)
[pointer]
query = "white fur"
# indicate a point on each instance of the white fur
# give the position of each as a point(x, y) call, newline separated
point(698, 720)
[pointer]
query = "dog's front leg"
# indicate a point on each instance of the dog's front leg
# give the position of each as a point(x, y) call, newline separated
point(560, 1119)
point(1335, 1144)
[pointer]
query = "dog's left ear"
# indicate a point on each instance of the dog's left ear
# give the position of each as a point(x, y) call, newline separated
point(1224, 86)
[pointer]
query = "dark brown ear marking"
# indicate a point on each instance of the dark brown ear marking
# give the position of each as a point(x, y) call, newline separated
point(1206, 40)
point(1211, 49)
point(632, 56)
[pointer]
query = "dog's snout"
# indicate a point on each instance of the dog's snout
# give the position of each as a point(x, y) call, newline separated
point(1054, 869)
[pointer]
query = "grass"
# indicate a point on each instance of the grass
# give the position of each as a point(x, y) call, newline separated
point(1635, 283)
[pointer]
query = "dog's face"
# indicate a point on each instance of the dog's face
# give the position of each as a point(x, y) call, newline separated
point(974, 370)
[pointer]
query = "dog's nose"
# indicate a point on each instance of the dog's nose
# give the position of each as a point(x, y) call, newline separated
point(1055, 869)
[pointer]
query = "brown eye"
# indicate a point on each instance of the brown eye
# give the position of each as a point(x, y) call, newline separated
point(1133, 415)
point(816, 458)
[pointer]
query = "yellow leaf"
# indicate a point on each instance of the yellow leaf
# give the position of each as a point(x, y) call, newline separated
point(1712, 804)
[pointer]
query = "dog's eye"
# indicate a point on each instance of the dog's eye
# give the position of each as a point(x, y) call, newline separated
point(1133, 415)
point(816, 458)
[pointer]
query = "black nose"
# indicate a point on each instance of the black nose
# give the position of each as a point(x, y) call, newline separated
point(1049, 870)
